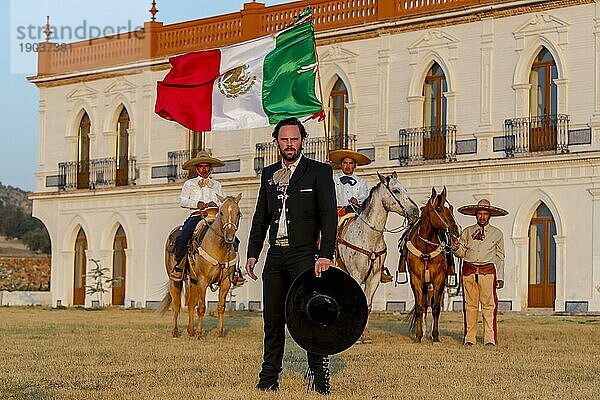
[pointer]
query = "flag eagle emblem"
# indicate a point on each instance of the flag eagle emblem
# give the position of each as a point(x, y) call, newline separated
point(236, 81)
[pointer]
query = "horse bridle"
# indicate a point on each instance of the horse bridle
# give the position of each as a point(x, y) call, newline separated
point(227, 224)
point(442, 219)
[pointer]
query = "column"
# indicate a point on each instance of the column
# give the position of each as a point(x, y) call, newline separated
point(594, 304)
point(561, 273)
point(520, 280)
point(484, 133)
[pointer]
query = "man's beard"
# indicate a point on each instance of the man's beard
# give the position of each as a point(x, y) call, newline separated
point(293, 157)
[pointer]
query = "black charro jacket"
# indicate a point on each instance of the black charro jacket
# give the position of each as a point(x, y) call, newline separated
point(311, 208)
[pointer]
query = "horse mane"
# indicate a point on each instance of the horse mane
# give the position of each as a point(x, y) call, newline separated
point(369, 198)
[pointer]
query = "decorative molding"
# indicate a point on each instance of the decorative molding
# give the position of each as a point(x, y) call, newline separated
point(120, 86)
point(541, 24)
point(434, 39)
point(81, 92)
point(336, 54)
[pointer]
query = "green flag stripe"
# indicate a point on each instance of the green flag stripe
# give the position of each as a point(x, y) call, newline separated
point(287, 93)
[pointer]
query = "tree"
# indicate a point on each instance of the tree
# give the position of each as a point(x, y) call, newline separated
point(100, 282)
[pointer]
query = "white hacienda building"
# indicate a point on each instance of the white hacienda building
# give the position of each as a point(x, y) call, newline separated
point(490, 98)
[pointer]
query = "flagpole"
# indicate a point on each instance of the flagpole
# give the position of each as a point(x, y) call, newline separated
point(325, 130)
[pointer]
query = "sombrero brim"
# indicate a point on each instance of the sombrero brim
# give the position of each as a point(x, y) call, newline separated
point(322, 329)
point(338, 155)
point(472, 210)
point(191, 164)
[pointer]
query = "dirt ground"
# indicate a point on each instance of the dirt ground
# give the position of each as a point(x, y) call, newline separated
point(129, 354)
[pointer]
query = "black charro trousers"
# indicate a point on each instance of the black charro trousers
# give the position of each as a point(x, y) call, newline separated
point(282, 266)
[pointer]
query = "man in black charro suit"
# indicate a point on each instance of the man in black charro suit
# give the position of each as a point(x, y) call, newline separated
point(296, 203)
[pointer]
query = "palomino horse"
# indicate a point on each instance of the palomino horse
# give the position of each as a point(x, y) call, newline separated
point(361, 249)
point(427, 262)
point(212, 263)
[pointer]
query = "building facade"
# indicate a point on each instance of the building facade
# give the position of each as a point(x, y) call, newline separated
point(491, 99)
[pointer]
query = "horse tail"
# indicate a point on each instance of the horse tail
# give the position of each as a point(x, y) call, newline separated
point(165, 303)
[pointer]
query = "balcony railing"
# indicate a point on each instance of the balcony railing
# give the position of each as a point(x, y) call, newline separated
point(427, 143)
point(97, 173)
point(157, 40)
point(177, 159)
point(536, 134)
point(267, 153)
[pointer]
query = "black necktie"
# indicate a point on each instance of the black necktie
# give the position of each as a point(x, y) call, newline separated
point(347, 180)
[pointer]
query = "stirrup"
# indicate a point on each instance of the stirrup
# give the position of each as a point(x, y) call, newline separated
point(386, 277)
point(238, 281)
point(401, 277)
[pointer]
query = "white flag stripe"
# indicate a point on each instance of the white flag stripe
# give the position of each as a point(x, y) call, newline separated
point(245, 109)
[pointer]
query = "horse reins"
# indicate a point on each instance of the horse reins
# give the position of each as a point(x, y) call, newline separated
point(384, 230)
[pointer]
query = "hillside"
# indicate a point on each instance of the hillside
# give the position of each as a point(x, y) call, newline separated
point(15, 197)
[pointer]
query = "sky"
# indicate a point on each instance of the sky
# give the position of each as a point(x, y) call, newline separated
point(19, 22)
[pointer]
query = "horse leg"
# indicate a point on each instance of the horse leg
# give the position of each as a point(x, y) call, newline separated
point(191, 303)
point(370, 288)
point(436, 307)
point(175, 293)
point(223, 290)
point(201, 302)
point(417, 288)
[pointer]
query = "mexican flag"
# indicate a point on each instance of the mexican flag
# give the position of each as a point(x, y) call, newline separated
point(248, 85)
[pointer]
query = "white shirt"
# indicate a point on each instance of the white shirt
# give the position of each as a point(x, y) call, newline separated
point(192, 193)
point(343, 193)
point(282, 228)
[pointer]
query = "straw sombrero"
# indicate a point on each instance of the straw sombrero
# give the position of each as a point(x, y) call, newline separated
point(483, 204)
point(202, 157)
point(338, 155)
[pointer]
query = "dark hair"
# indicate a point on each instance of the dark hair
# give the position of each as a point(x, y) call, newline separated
point(293, 121)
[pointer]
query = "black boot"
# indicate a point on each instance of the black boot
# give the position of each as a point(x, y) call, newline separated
point(318, 374)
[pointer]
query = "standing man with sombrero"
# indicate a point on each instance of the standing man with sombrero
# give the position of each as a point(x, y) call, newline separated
point(199, 194)
point(481, 246)
point(295, 205)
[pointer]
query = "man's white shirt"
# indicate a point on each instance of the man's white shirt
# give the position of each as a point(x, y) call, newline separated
point(282, 228)
point(343, 193)
point(192, 193)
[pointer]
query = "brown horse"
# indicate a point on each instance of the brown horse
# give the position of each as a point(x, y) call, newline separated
point(212, 263)
point(427, 262)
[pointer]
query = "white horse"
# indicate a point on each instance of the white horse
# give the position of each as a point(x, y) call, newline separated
point(361, 247)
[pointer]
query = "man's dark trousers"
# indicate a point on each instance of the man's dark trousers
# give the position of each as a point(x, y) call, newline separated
point(282, 266)
point(184, 236)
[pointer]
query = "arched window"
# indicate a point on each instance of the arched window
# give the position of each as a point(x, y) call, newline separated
point(542, 259)
point(434, 113)
point(83, 152)
point(338, 115)
point(122, 151)
point(543, 102)
point(119, 267)
point(79, 269)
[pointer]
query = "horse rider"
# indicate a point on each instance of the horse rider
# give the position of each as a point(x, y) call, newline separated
point(200, 195)
point(352, 190)
point(295, 204)
point(481, 246)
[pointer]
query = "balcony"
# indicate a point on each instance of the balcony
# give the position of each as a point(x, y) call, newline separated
point(175, 171)
point(267, 152)
point(95, 174)
point(536, 134)
point(430, 143)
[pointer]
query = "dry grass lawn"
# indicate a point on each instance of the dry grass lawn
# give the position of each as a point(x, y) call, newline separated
point(129, 354)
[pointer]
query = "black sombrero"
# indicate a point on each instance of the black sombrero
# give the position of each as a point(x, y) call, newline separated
point(326, 315)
